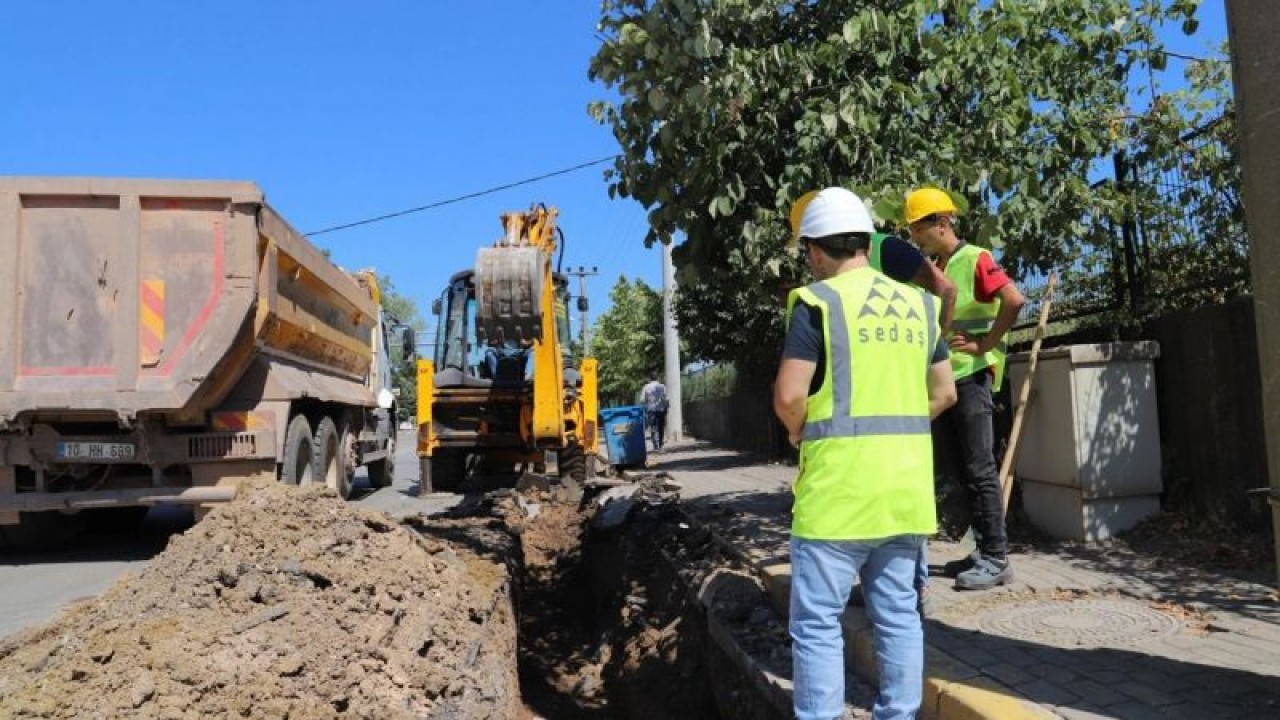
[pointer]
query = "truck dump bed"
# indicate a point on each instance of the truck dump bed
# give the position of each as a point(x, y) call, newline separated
point(125, 296)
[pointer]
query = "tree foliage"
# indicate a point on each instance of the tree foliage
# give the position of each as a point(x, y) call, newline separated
point(730, 110)
point(627, 340)
point(402, 310)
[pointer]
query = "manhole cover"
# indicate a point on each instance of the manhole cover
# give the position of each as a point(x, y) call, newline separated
point(1079, 623)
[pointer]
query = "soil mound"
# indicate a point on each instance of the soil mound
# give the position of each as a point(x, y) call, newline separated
point(287, 602)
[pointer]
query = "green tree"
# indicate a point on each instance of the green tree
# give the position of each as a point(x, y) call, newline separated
point(728, 111)
point(627, 340)
point(402, 310)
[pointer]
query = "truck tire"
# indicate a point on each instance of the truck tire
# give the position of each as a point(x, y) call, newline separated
point(299, 453)
point(447, 469)
point(331, 465)
point(383, 472)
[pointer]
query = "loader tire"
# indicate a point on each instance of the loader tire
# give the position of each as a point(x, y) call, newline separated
point(572, 462)
point(299, 453)
point(447, 470)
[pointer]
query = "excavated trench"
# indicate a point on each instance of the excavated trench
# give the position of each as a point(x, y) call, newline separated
point(290, 602)
point(630, 610)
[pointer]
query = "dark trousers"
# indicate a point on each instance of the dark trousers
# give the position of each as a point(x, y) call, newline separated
point(657, 422)
point(964, 441)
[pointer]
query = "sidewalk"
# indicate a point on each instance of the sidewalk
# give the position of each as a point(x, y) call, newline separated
point(1083, 632)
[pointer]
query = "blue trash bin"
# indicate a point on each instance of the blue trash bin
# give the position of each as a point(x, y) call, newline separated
point(624, 435)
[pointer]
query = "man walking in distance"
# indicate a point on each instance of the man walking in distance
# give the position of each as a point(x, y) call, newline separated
point(863, 372)
point(654, 395)
point(987, 304)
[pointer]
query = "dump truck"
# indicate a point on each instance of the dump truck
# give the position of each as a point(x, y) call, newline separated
point(162, 341)
point(501, 388)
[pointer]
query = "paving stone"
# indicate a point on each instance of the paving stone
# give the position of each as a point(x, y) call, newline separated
point(1082, 712)
point(1008, 674)
point(974, 656)
point(1058, 674)
point(1046, 693)
point(1139, 711)
point(1097, 693)
point(1151, 696)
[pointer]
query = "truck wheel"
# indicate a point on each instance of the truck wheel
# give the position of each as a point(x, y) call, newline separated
point(383, 472)
point(448, 470)
point(331, 466)
point(299, 453)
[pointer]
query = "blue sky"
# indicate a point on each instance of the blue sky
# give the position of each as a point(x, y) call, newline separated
point(340, 112)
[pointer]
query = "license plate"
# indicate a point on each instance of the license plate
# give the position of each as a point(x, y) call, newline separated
point(95, 451)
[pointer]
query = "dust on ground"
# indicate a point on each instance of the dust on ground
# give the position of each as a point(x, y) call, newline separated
point(287, 602)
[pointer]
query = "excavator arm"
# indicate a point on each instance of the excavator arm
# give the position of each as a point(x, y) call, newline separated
point(515, 306)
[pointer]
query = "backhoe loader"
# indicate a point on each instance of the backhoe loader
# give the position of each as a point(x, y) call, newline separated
point(500, 388)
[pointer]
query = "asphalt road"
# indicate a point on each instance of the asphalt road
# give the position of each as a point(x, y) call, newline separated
point(34, 587)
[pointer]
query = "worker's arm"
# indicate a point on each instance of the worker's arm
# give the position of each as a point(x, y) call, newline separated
point(942, 388)
point(1011, 302)
point(904, 262)
point(929, 277)
point(791, 392)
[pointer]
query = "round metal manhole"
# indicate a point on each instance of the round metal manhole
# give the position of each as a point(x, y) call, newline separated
point(1080, 623)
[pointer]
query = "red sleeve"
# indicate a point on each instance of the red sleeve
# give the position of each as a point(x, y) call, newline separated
point(988, 278)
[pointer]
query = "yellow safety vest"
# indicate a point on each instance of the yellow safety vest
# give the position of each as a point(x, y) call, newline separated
point(973, 317)
point(866, 460)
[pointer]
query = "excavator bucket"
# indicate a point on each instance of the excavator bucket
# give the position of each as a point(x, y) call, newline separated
point(509, 294)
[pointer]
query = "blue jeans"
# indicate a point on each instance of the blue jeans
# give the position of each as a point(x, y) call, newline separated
point(822, 574)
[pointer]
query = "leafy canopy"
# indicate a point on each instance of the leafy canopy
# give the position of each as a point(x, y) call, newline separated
point(627, 340)
point(730, 110)
point(402, 310)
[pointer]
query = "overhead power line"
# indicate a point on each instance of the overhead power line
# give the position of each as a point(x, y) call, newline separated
point(460, 198)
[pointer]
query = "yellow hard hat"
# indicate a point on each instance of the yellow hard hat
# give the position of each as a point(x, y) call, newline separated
point(797, 212)
point(929, 201)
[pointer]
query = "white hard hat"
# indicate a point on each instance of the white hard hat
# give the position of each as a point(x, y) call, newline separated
point(833, 211)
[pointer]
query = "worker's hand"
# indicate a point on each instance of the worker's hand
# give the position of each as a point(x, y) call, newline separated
point(794, 439)
point(968, 344)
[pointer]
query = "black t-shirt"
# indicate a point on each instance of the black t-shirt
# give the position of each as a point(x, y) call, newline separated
point(900, 259)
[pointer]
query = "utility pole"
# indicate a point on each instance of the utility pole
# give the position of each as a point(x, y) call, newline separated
point(671, 348)
point(1252, 27)
point(582, 273)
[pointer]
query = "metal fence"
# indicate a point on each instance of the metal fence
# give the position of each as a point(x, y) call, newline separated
point(1191, 250)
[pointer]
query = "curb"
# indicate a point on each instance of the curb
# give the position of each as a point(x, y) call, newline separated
point(953, 689)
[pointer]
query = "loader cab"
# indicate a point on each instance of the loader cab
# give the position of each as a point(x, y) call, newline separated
point(459, 354)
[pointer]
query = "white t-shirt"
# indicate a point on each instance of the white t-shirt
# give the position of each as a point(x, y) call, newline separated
point(655, 396)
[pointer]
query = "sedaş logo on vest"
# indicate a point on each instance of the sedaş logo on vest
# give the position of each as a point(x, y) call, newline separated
point(888, 317)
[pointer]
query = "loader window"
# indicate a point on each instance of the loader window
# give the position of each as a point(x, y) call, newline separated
point(455, 329)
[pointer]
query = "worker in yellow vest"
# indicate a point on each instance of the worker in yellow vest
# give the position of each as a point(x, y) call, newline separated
point(898, 259)
point(864, 370)
point(987, 304)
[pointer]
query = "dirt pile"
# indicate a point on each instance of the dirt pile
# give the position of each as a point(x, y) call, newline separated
point(285, 603)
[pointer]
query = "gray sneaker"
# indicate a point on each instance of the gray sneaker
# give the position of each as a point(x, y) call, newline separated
point(955, 567)
point(986, 573)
